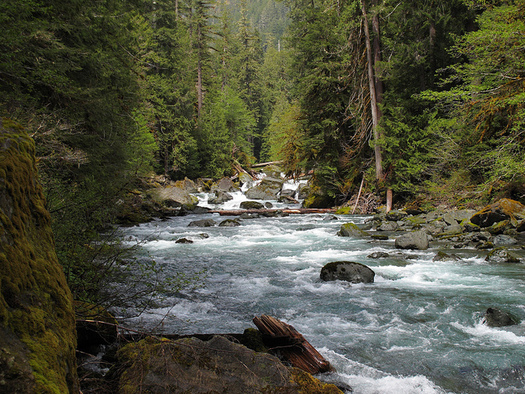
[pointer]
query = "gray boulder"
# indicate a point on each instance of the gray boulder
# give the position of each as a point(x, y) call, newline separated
point(203, 223)
point(230, 223)
point(504, 240)
point(225, 185)
point(268, 189)
point(395, 215)
point(245, 178)
point(388, 226)
point(251, 205)
point(348, 271)
point(414, 240)
point(498, 318)
point(220, 197)
point(174, 197)
point(442, 256)
point(188, 185)
point(303, 191)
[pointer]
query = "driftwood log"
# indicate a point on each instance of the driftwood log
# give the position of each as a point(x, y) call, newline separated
point(287, 342)
point(238, 212)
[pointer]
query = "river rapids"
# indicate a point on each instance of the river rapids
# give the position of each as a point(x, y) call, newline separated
point(416, 329)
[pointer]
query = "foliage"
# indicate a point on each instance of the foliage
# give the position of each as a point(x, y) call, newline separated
point(488, 102)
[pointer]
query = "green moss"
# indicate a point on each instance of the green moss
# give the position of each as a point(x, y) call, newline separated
point(35, 302)
point(344, 211)
point(308, 384)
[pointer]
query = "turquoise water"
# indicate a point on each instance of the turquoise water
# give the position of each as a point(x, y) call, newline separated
point(417, 329)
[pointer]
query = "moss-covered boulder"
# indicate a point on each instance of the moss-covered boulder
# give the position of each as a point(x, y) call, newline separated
point(37, 322)
point(351, 230)
point(188, 185)
point(502, 255)
point(191, 365)
point(502, 210)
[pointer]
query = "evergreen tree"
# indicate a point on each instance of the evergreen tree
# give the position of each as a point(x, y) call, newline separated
point(484, 131)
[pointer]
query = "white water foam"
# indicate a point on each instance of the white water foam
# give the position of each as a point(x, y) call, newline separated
point(482, 332)
point(367, 380)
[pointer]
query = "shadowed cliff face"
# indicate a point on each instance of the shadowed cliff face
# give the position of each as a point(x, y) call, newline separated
point(37, 324)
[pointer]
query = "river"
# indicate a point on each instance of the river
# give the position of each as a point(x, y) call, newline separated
point(417, 329)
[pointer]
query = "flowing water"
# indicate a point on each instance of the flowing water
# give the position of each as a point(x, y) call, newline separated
point(417, 329)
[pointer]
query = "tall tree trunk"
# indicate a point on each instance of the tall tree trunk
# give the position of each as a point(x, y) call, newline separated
point(373, 97)
point(200, 94)
point(376, 93)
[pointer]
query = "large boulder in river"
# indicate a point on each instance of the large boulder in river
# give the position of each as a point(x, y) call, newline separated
point(347, 271)
point(414, 240)
point(251, 205)
point(504, 209)
point(498, 318)
point(502, 255)
point(37, 322)
point(174, 197)
point(268, 189)
point(225, 185)
point(351, 230)
point(188, 185)
point(191, 365)
point(220, 197)
point(203, 223)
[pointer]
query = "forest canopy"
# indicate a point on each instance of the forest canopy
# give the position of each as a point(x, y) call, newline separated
point(422, 99)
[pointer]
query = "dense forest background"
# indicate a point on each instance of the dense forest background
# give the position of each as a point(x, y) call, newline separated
point(423, 100)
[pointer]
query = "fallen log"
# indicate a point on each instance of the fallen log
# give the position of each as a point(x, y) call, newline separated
point(268, 163)
point(298, 211)
point(284, 340)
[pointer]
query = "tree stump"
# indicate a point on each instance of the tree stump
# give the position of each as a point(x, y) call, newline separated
point(285, 340)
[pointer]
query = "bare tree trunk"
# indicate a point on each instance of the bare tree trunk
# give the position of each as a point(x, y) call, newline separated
point(199, 88)
point(376, 93)
point(373, 97)
point(359, 194)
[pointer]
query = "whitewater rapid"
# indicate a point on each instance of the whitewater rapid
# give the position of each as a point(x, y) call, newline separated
point(417, 329)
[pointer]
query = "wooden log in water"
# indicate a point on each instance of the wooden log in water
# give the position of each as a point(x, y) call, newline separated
point(237, 212)
point(285, 340)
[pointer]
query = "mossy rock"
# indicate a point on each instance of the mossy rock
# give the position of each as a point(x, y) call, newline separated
point(36, 305)
point(502, 255)
point(218, 365)
point(308, 384)
point(188, 185)
point(499, 227)
point(344, 211)
point(351, 230)
point(504, 209)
